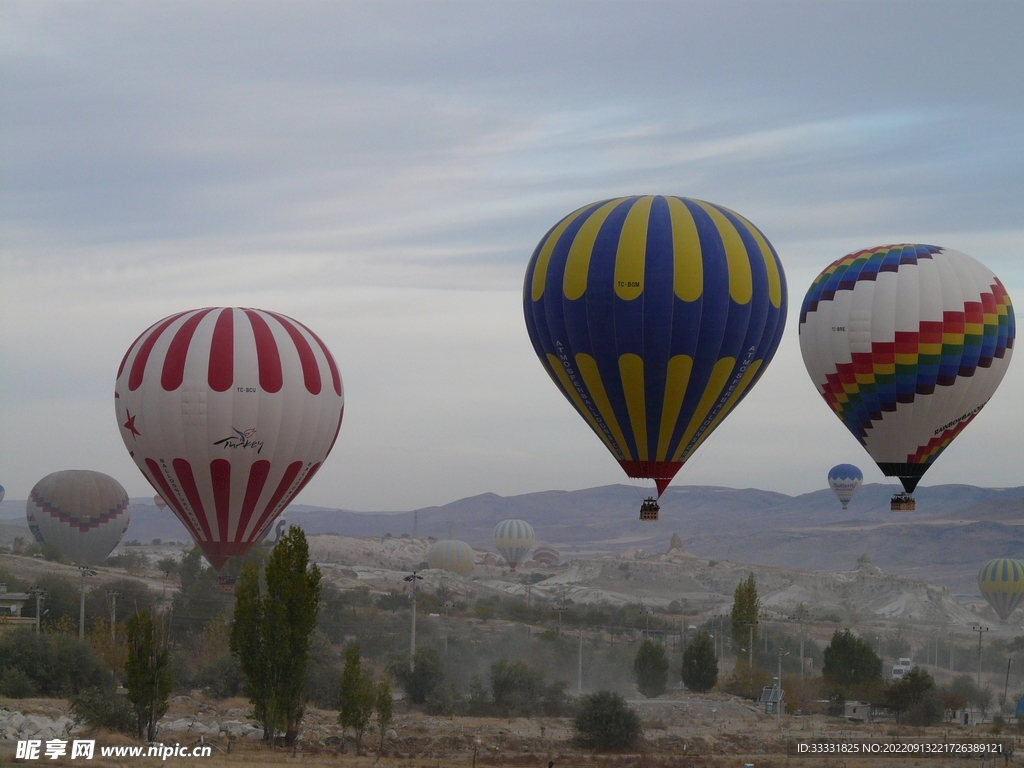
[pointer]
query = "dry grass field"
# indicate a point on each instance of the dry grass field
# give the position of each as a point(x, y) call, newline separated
point(714, 731)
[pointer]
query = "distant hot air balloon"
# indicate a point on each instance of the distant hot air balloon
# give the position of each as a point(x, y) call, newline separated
point(654, 316)
point(844, 480)
point(513, 538)
point(278, 529)
point(906, 343)
point(1, 493)
point(1001, 583)
point(82, 513)
point(454, 556)
point(160, 503)
point(546, 555)
point(228, 412)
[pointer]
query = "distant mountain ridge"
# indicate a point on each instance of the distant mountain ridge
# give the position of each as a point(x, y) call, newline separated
point(955, 530)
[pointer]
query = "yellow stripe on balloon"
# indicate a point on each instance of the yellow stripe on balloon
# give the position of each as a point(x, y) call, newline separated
point(632, 251)
point(688, 261)
point(748, 377)
point(540, 269)
point(741, 282)
point(592, 378)
point(577, 265)
point(555, 365)
point(631, 370)
point(774, 282)
point(719, 378)
point(676, 381)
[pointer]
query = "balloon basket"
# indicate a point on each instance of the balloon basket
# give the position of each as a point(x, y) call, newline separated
point(902, 502)
point(649, 509)
point(225, 585)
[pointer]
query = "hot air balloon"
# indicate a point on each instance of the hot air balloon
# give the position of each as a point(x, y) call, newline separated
point(2, 493)
point(844, 480)
point(513, 538)
point(546, 555)
point(1001, 583)
point(228, 412)
point(454, 556)
point(82, 513)
point(906, 343)
point(158, 500)
point(654, 316)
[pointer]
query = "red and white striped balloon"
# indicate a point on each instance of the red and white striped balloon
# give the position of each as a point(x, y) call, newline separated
point(228, 412)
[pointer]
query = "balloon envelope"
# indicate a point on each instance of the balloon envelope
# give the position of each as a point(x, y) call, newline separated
point(906, 344)
point(82, 513)
point(228, 412)
point(546, 555)
point(513, 538)
point(160, 503)
point(845, 480)
point(1, 493)
point(1001, 583)
point(454, 556)
point(654, 316)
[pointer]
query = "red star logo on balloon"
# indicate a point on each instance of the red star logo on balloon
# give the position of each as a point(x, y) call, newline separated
point(130, 424)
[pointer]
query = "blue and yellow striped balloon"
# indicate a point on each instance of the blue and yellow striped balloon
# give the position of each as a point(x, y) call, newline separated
point(513, 538)
point(1001, 583)
point(654, 316)
point(454, 556)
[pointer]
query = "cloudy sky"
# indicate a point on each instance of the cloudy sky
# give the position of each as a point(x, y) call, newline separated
point(382, 171)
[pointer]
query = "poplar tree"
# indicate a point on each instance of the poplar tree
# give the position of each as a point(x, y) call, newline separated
point(271, 632)
point(745, 610)
point(147, 673)
point(357, 695)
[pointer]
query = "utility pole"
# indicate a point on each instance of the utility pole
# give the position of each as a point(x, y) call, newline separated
point(980, 631)
point(81, 607)
point(778, 695)
point(1006, 685)
point(579, 667)
point(413, 577)
point(112, 601)
point(40, 595)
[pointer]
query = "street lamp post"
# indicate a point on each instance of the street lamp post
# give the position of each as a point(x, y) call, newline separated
point(980, 631)
point(778, 695)
point(413, 577)
point(81, 607)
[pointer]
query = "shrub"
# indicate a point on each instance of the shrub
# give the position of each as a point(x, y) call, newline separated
point(223, 678)
point(605, 721)
point(700, 667)
point(516, 687)
point(15, 684)
point(427, 675)
point(101, 707)
point(650, 668)
point(55, 665)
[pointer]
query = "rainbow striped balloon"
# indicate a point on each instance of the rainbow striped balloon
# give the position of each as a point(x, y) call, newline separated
point(906, 344)
point(1001, 583)
point(654, 316)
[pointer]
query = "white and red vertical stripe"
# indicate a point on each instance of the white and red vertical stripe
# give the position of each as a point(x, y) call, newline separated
point(228, 412)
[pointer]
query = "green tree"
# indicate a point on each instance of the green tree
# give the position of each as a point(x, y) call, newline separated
point(147, 673)
point(745, 610)
point(383, 702)
point(424, 678)
point(516, 687)
point(700, 667)
point(605, 721)
point(915, 699)
point(650, 668)
point(271, 633)
point(850, 661)
point(357, 695)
